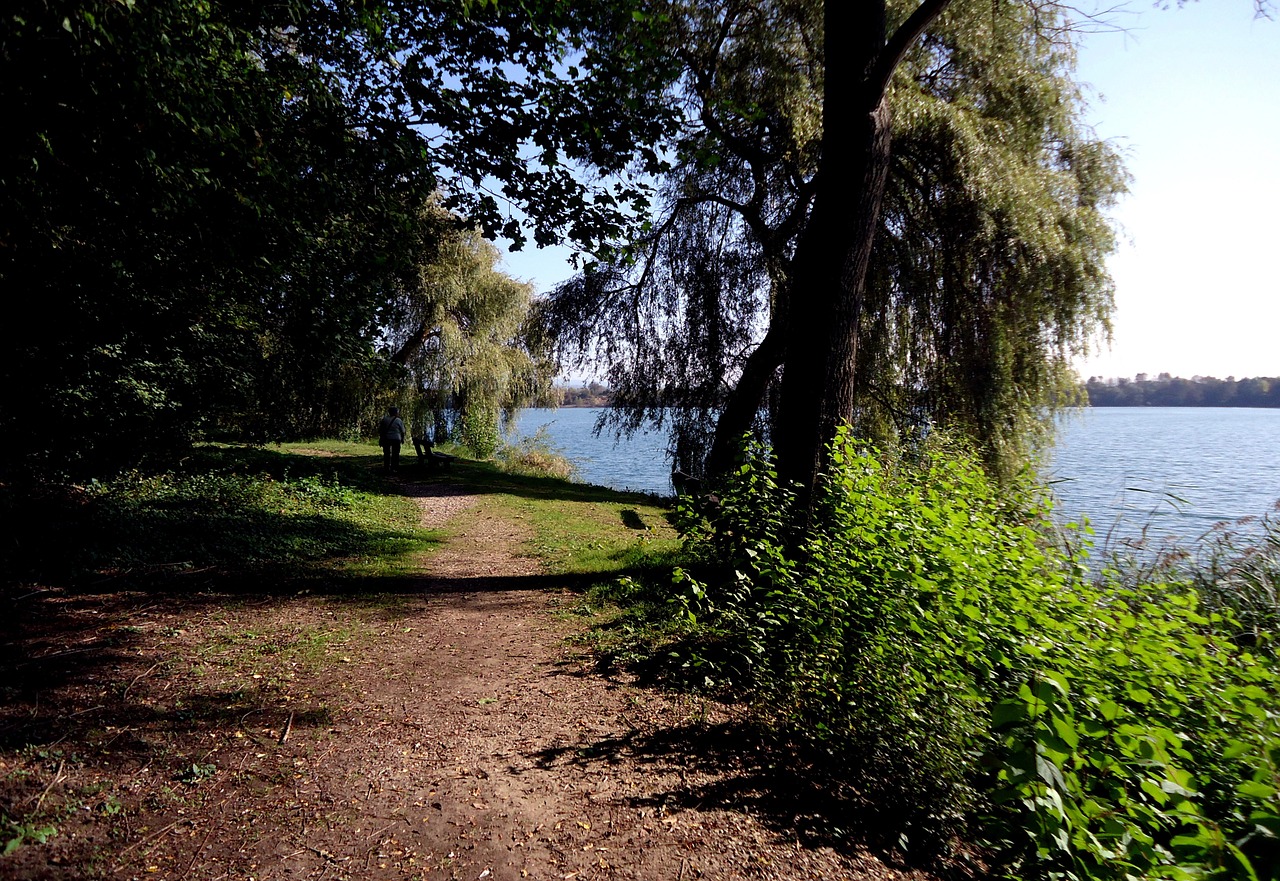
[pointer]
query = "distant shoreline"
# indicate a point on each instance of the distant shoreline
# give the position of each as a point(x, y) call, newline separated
point(1258, 392)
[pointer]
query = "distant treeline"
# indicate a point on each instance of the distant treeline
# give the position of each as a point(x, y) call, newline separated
point(1174, 391)
point(1141, 391)
point(592, 394)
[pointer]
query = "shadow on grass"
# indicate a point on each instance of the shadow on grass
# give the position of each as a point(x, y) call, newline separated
point(632, 520)
point(365, 472)
point(80, 566)
point(223, 509)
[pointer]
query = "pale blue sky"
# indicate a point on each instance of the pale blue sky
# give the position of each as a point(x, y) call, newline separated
point(1192, 97)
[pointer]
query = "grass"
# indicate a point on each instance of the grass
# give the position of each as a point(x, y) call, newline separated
point(318, 516)
point(234, 519)
point(579, 530)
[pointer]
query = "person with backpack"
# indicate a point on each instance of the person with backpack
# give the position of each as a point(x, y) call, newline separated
point(390, 437)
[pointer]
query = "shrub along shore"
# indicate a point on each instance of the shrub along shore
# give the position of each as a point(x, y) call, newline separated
point(930, 633)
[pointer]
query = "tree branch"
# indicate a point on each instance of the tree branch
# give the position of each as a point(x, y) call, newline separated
point(414, 343)
point(899, 43)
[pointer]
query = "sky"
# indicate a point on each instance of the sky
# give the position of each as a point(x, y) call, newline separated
point(1191, 98)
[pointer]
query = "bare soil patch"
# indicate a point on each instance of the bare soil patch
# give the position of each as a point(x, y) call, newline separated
point(443, 730)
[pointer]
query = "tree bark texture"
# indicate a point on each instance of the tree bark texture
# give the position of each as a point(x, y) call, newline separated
point(745, 401)
point(833, 255)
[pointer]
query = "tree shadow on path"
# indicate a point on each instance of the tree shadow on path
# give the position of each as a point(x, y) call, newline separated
point(740, 767)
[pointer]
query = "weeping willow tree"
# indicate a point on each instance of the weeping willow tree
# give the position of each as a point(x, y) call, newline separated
point(460, 330)
point(989, 267)
point(986, 271)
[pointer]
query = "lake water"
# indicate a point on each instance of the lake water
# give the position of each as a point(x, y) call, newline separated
point(1172, 471)
point(636, 464)
point(1175, 471)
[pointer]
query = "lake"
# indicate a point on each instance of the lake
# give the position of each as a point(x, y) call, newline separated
point(1172, 471)
point(1175, 471)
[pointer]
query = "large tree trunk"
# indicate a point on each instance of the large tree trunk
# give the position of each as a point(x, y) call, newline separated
point(830, 268)
point(745, 401)
point(834, 253)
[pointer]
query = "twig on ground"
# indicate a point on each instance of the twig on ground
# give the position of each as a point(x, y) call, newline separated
point(325, 854)
point(51, 656)
point(379, 832)
point(57, 778)
point(138, 679)
point(152, 837)
point(199, 850)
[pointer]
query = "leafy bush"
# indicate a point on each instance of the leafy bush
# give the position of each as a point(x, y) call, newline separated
point(961, 670)
point(535, 456)
point(480, 433)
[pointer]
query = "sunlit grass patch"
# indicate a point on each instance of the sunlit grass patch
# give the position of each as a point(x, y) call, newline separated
point(248, 517)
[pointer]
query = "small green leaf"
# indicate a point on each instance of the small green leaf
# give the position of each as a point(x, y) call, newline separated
point(1255, 789)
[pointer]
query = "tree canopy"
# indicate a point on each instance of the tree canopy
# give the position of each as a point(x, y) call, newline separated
point(459, 327)
point(217, 208)
point(212, 206)
point(986, 269)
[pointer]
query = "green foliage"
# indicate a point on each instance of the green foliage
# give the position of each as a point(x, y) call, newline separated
point(461, 328)
point(479, 433)
point(990, 149)
point(14, 835)
point(214, 204)
point(535, 456)
point(962, 671)
point(196, 773)
point(190, 203)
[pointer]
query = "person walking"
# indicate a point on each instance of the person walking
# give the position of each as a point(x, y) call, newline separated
point(391, 436)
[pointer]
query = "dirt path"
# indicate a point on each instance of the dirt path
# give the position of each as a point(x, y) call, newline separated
point(467, 741)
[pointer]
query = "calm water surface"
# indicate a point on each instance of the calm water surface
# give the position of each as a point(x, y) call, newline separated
point(1173, 471)
point(636, 464)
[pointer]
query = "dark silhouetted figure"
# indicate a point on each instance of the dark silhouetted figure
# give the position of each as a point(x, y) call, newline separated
point(391, 436)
